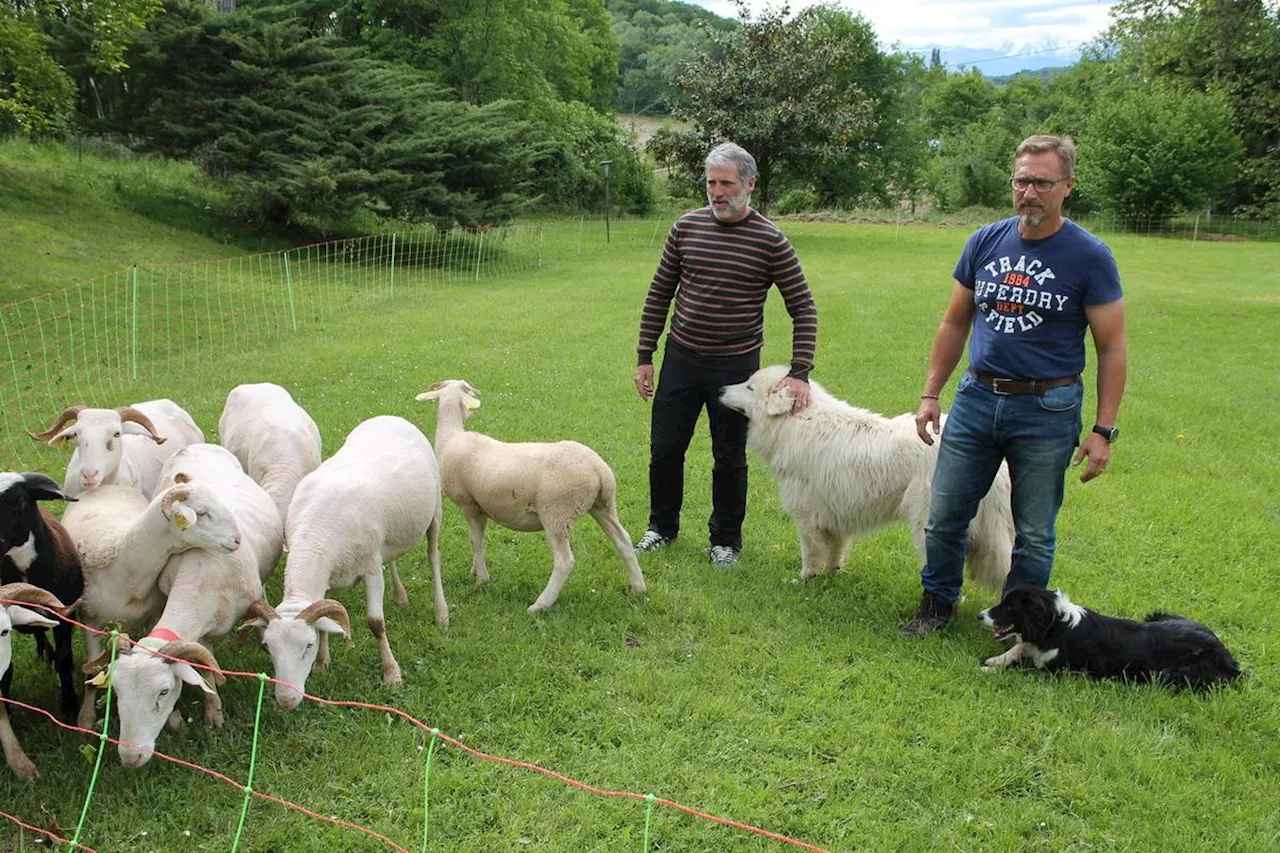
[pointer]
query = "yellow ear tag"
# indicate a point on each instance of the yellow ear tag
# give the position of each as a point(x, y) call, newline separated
point(180, 520)
point(101, 679)
point(471, 404)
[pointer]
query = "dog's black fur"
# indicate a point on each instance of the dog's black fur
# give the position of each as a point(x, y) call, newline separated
point(1055, 634)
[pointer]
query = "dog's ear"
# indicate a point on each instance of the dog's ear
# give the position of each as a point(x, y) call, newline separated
point(779, 400)
point(1036, 613)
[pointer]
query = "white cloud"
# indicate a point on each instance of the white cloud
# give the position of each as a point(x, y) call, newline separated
point(971, 23)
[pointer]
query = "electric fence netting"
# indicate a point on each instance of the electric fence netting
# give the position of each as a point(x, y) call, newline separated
point(89, 343)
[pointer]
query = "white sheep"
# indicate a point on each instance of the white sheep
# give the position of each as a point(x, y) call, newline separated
point(125, 541)
point(207, 593)
point(362, 508)
point(12, 615)
point(127, 446)
point(274, 438)
point(526, 486)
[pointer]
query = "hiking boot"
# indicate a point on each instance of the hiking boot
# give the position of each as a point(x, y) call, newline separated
point(723, 557)
point(652, 540)
point(932, 614)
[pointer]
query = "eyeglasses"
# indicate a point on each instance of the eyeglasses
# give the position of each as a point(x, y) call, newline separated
point(1042, 185)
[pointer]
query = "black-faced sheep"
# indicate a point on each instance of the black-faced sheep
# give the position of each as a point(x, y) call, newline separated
point(36, 549)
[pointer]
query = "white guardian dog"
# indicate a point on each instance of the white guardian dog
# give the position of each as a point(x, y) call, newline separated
point(843, 471)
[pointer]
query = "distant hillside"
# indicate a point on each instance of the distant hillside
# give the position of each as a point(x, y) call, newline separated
point(1007, 60)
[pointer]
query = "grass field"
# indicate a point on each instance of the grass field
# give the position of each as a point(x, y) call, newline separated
point(786, 705)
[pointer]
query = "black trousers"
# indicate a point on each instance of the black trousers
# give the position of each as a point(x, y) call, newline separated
point(687, 383)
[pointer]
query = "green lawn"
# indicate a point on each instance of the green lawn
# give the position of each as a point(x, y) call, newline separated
point(749, 695)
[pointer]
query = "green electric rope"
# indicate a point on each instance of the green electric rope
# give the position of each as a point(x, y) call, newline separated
point(102, 746)
point(426, 788)
point(253, 761)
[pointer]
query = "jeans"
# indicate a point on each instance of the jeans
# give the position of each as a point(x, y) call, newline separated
point(687, 383)
point(1037, 435)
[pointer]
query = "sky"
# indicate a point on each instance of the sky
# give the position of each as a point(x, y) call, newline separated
point(1012, 26)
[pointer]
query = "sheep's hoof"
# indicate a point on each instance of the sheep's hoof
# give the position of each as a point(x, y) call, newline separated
point(392, 678)
point(991, 664)
point(805, 574)
point(25, 770)
point(213, 719)
point(638, 590)
point(538, 607)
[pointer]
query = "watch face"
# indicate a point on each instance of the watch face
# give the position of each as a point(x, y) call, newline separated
point(1109, 433)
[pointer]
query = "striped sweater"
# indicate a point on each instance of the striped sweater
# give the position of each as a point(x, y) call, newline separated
point(719, 275)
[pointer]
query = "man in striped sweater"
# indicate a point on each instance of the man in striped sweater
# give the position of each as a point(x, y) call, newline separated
point(718, 265)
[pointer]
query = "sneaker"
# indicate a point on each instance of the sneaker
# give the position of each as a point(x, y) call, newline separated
point(652, 540)
point(723, 556)
point(932, 614)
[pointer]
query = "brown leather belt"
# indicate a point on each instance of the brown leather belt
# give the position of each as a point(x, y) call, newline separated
point(1005, 387)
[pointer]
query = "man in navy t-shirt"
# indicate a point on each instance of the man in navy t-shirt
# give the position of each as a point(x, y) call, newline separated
point(1026, 289)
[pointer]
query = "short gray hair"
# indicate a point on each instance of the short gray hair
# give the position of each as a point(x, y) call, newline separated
point(1060, 145)
point(732, 154)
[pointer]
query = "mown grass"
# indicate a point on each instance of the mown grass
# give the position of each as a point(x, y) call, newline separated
point(791, 706)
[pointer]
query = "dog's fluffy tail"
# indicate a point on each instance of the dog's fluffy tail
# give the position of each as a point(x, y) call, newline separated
point(991, 535)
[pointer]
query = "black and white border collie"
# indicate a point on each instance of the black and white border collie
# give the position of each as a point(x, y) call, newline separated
point(1053, 633)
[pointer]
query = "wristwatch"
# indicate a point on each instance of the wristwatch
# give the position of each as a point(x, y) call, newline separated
point(1110, 433)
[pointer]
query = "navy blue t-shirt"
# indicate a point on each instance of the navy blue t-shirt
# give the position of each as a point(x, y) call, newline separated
point(1030, 296)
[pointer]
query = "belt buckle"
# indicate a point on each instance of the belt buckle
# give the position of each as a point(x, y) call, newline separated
point(996, 381)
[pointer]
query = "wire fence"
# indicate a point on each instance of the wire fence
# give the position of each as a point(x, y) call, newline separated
point(250, 793)
point(89, 344)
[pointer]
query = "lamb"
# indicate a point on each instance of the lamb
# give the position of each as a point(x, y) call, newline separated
point(274, 438)
point(363, 507)
point(127, 445)
point(125, 540)
point(207, 592)
point(526, 487)
point(12, 615)
point(36, 549)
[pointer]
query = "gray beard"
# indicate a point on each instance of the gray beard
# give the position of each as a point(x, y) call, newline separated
point(1032, 219)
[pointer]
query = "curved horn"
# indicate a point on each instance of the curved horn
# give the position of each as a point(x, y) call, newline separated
point(262, 610)
point(68, 415)
point(30, 594)
point(177, 493)
point(333, 609)
point(192, 652)
point(129, 413)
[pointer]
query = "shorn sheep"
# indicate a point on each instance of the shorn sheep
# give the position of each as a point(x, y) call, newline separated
point(207, 592)
point(125, 541)
point(35, 548)
point(526, 486)
point(274, 438)
point(127, 445)
point(12, 615)
point(365, 506)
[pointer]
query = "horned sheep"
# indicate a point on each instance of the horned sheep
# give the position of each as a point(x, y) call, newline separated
point(127, 445)
point(125, 541)
point(207, 592)
point(362, 508)
point(525, 486)
point(274, 438)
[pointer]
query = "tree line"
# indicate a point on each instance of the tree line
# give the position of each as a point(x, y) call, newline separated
point(470, 112)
